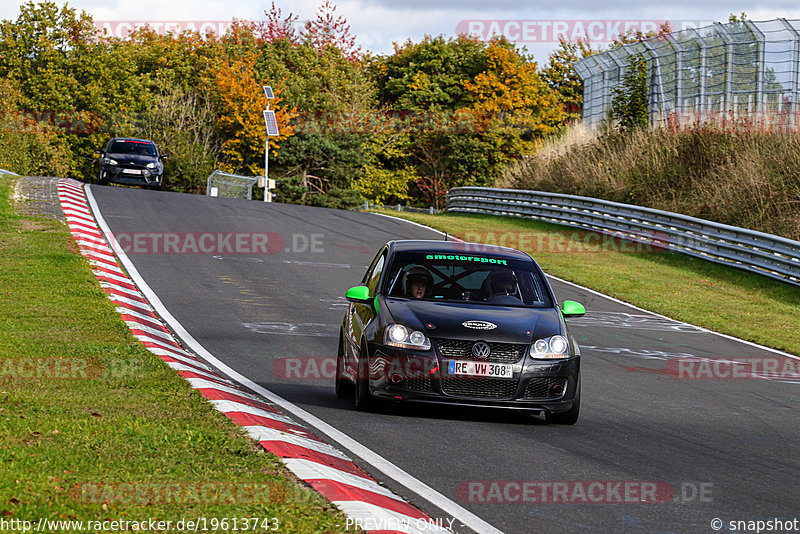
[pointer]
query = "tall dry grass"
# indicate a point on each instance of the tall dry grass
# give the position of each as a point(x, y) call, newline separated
point(746, 177)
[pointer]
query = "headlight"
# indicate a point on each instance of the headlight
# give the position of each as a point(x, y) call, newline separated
point(551, 348)
point(110, 161)
point(151, 165)
point(398, 335)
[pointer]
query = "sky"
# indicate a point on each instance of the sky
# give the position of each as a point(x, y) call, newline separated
point(378, 24)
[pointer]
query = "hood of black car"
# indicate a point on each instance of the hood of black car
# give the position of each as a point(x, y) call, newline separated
point(132, 159)
point(469, 321)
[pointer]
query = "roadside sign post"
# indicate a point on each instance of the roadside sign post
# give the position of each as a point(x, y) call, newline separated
point(271, 124)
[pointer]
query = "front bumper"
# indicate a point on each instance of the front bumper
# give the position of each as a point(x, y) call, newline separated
point(130, 175)
point(414, 376)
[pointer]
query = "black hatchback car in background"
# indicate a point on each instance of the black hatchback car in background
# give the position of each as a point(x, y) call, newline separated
point(132, 162)
point(459, 323)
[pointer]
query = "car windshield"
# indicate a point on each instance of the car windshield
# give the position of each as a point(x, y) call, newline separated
point(486, 279)
point(137, 148)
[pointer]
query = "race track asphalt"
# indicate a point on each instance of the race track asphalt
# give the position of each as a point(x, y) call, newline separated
point(729, 449)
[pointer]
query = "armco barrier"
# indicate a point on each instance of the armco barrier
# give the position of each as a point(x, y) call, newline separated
point(3, 171)
point(758, 252)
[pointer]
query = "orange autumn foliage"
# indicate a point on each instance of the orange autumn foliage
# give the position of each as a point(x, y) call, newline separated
point(241, 121)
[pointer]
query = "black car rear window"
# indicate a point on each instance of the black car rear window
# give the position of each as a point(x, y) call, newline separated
point(137, 148)
point(474, 278)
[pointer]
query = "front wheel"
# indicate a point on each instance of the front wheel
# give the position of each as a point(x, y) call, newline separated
point(362, 398)
point(570, 417)
point(342, 385)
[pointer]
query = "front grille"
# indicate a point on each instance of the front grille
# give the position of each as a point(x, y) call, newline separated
point(462, 349)
point(422, 383)
point(485, 388)
point(541, 388)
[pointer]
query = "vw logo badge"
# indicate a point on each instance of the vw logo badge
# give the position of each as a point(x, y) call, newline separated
point(481, 350)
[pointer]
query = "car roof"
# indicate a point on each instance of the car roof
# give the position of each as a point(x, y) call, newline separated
point(460, 247)
point(132, 140)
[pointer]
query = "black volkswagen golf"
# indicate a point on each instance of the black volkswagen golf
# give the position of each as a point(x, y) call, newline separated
point(459, 323)
point(131, 161)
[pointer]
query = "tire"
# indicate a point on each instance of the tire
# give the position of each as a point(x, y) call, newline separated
point(362, 398)
point(570, 417)
point(343, 387)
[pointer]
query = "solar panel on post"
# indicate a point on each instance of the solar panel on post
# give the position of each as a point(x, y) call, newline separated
point(268, 92)
point(271, 122)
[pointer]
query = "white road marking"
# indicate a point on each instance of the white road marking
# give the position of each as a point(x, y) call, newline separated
point(643, 353)
point(628, 321)
point(276, 260)
point(293, 329)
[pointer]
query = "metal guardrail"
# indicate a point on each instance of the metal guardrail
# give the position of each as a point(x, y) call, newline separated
point(758, 252)
point(223, 184)
point(3, 171)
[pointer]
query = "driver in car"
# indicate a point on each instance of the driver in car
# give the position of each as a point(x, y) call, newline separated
point(418, 282)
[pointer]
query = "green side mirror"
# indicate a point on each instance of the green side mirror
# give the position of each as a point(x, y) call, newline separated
point(358, 294)
point(570, 308)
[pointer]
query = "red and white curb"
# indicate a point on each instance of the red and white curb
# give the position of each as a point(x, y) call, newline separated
point(322, 466)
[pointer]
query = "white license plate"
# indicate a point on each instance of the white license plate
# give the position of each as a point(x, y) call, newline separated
point(131, 171)
point(489, 370)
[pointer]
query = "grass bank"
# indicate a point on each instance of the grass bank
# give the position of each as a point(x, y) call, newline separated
point(742, 176)
point(723, 299)
point(95, 427)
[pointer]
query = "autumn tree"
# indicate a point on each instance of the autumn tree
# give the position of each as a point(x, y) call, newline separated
point(321, 161)
point(60, 68)
point(382, 181)
point(182, 121)
point(278, 27)
point(27, 146)
point(511, 103)
point(241, 119)
point(475, 106)
point(629, 99)
point(560, 75)
point(327, 29)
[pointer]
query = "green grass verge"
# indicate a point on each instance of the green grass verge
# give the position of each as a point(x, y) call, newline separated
point(721, 298)
point(95, 427)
